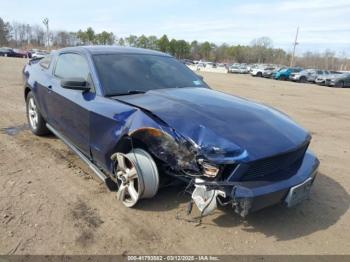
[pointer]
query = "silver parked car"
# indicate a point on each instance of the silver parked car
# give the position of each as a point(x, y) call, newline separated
point(308, 75)
point(322, 79)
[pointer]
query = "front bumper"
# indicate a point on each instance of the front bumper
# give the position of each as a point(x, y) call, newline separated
point(294, 77)
point(331, 83)
point(255, 195)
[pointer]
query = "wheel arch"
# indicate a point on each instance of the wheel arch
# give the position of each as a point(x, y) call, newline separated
point(26, 92)
point(165, 149)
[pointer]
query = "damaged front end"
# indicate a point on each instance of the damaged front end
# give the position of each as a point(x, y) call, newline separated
point(218, 171)
point(194, 163)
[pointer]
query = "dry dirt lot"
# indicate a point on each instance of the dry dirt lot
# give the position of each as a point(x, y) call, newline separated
point(50, 205)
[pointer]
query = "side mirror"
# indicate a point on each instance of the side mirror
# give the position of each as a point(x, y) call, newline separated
point(75, 84)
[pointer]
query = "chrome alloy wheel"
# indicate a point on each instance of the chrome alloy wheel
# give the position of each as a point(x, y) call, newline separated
point(138, 176)
point(33, 113)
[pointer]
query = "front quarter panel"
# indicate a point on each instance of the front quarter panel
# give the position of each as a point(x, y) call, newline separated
point(111, 120)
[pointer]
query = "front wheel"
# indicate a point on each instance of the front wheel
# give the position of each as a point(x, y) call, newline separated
point(283, 78)
point(303, 79)
point(36, 122)
point(138, 176)
point(340, 84)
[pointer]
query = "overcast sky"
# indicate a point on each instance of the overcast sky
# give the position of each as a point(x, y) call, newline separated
point(323, 23)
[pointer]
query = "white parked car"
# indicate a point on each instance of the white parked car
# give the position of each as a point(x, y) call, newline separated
point(39, 54)
point(259, 71)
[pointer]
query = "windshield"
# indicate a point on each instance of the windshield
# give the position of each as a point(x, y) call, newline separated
point(127, 73)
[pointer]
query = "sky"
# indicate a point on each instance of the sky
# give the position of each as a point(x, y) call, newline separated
point(323, 24)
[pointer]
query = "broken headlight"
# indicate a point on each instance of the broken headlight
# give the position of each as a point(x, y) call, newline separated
point(208, 170)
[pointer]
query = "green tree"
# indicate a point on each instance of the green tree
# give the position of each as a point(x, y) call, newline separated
point(195, 50)
point(82, 36)
point(172, 47)
point(205, 49)
point(105, 38)
point(152, 42)
point(142, 42)
point(131, 40)
point(121, 41)
point(163, 44)
point(182, 49)
point(90, 34)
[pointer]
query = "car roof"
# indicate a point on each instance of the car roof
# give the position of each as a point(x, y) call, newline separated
point(112, 50)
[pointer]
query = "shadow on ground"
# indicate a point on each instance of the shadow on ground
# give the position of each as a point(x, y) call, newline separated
point(168, 198)
point(328, 202)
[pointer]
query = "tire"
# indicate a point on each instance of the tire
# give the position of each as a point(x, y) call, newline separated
point(259, 74)
point(282, 78)
point(138, 175)
point(36, 122)
point(303, 79)
point(340, 84)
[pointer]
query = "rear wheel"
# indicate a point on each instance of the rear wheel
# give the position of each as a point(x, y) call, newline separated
point(36, 122)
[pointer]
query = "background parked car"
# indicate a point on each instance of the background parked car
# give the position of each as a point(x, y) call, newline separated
point(234, 68)
point(244, 69)
point(269, 72)
point(307, 75)
point(22, 53)
point(39, 54)
point(257, 71)
point(274, 72)
point(342, 80)
point(285, 73)
point(10, 52)
point(321, 79)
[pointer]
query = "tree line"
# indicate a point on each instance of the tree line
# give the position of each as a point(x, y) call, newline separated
point(260, 50)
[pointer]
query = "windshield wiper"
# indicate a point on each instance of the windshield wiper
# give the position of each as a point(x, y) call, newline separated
point(130, 92)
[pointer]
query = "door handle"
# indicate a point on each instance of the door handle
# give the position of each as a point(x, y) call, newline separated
point(49, 87)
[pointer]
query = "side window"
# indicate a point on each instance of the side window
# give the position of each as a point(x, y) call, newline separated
point(72, 66)
point(45, 62)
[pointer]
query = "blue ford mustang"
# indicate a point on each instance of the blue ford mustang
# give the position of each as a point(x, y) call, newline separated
point(141, 119)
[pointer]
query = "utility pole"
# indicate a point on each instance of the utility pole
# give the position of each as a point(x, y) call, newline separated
point(294, 45)
point(46, 23)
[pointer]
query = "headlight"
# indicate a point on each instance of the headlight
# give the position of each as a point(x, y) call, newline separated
point(208, 170)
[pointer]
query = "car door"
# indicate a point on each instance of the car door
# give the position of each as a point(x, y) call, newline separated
point(42, 84)
point(69, 109)
point(347, 80)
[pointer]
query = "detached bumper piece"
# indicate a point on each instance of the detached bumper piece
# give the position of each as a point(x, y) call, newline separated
point(250, 196)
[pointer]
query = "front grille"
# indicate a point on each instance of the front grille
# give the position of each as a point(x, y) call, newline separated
point(277, 167)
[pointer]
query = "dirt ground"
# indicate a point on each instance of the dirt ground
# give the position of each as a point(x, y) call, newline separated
point(50, 205)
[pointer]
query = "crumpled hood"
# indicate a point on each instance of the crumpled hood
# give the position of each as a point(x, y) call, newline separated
point(222, 125)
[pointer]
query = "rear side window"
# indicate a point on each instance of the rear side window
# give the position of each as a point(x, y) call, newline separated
point(46, 61)
point(72, 66)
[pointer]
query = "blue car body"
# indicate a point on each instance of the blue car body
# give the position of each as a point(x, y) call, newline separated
point(260, 151)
